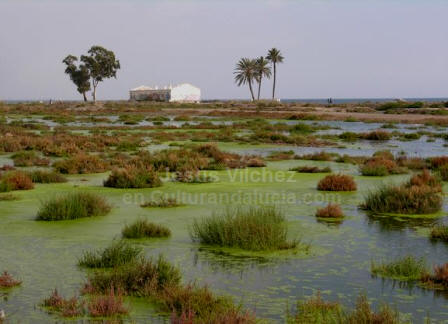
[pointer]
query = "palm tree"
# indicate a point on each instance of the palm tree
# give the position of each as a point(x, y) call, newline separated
point(274, 56)
point(262, 70)
point(245, 72)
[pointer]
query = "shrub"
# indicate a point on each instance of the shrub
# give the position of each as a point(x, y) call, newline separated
point(162, 202)
point(28, 158)
point(142, 228)
point(41, 176)
point(377, 135)
point(15, 180)
point(118, 253)
point(317, 311)
point(72, 206)
point(80, 164)
point(443, 172)
point(255, 229)
point(107, 305)
point(331, 211)
point(337, 182)
point(439, 232)
point(142, 278)
point(403, 199)
point(66, 307)
point(406, 268)
point(200, 305)
point(318, 156)
point(7, 281)
point(438, 161)
point(311, 169)
point(133, 177)
point(380, 166)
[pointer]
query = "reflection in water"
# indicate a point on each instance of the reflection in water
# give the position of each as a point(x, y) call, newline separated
point(389, 223)
point(330, 222)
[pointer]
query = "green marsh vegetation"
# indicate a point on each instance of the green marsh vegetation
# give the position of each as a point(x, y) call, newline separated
point(29, 158)
point(117, 253)
point(420, 195)
point(72, 206)
point(311, 169)
point(439, 232)
point(144, 229)
point(251, 228)
point(162, 202)
point(45, 176)
point(407, 268)
point(315, 310)
point(133, 177)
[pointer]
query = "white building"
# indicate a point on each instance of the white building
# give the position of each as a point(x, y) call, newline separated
point(183, 92)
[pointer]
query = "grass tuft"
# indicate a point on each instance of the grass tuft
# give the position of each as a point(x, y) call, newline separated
point(116, 254)
point(330, 211)
point(7, 281)
point(42, 176)
point(144, 229)
point(133, 177)
point(162, 202)
point(255, 229)
point(439, 232)
point(73, 206)
point(407, 268)
point(311, 169)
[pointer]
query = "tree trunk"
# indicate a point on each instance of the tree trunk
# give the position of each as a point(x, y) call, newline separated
point(273, 86)
point(94, 94)
point(259, 89)
point(85, 97)
point(251, 90)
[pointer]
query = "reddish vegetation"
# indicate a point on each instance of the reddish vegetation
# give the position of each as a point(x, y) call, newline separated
point(18, 180)
point(337, 182)
point(438, 278)
point(81, 163)
point(67, 307)
point(109, 305)
point(438, 161)
point(7, 281)
point(331, 211)
point(425, 179)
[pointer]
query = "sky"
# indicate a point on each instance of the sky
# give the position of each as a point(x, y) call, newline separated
point(332, 48)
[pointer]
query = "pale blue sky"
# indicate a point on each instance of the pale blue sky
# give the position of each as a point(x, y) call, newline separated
point(338, 48)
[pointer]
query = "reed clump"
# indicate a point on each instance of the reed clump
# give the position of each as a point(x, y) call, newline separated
point(337, 182)
point(315, 310)
point(311, 169)
point(116, 254)
point(439, 232)
point(73, 206)
point(253, 228)
point(145, 229)
point(44, 176)
point(133, 177)
point(420, 195)
point(407, 268)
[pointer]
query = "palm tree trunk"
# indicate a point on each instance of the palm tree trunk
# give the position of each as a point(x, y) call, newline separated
point(273, 86)
point(259, 89)
point(251, 90)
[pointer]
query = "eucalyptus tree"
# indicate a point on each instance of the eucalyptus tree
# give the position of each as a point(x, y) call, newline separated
point(275, 57)
point(79, 74)
point(101, 64)
point(245, 72)
point(262, 69)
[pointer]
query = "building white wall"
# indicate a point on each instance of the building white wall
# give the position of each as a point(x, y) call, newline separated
point(185, 92)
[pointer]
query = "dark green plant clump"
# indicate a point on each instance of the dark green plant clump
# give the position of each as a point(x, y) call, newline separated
point(41, 176)
point(407, 268)
point(315, 310)
point(116, 254)
point(439, 232)
point(162, 202)
point(133, 177)
point(73, 206)
point(311, 169)
point(255, 229)
point(144, 229)
point(421, 195)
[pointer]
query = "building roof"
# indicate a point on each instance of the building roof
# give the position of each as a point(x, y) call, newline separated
point(144, 88)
